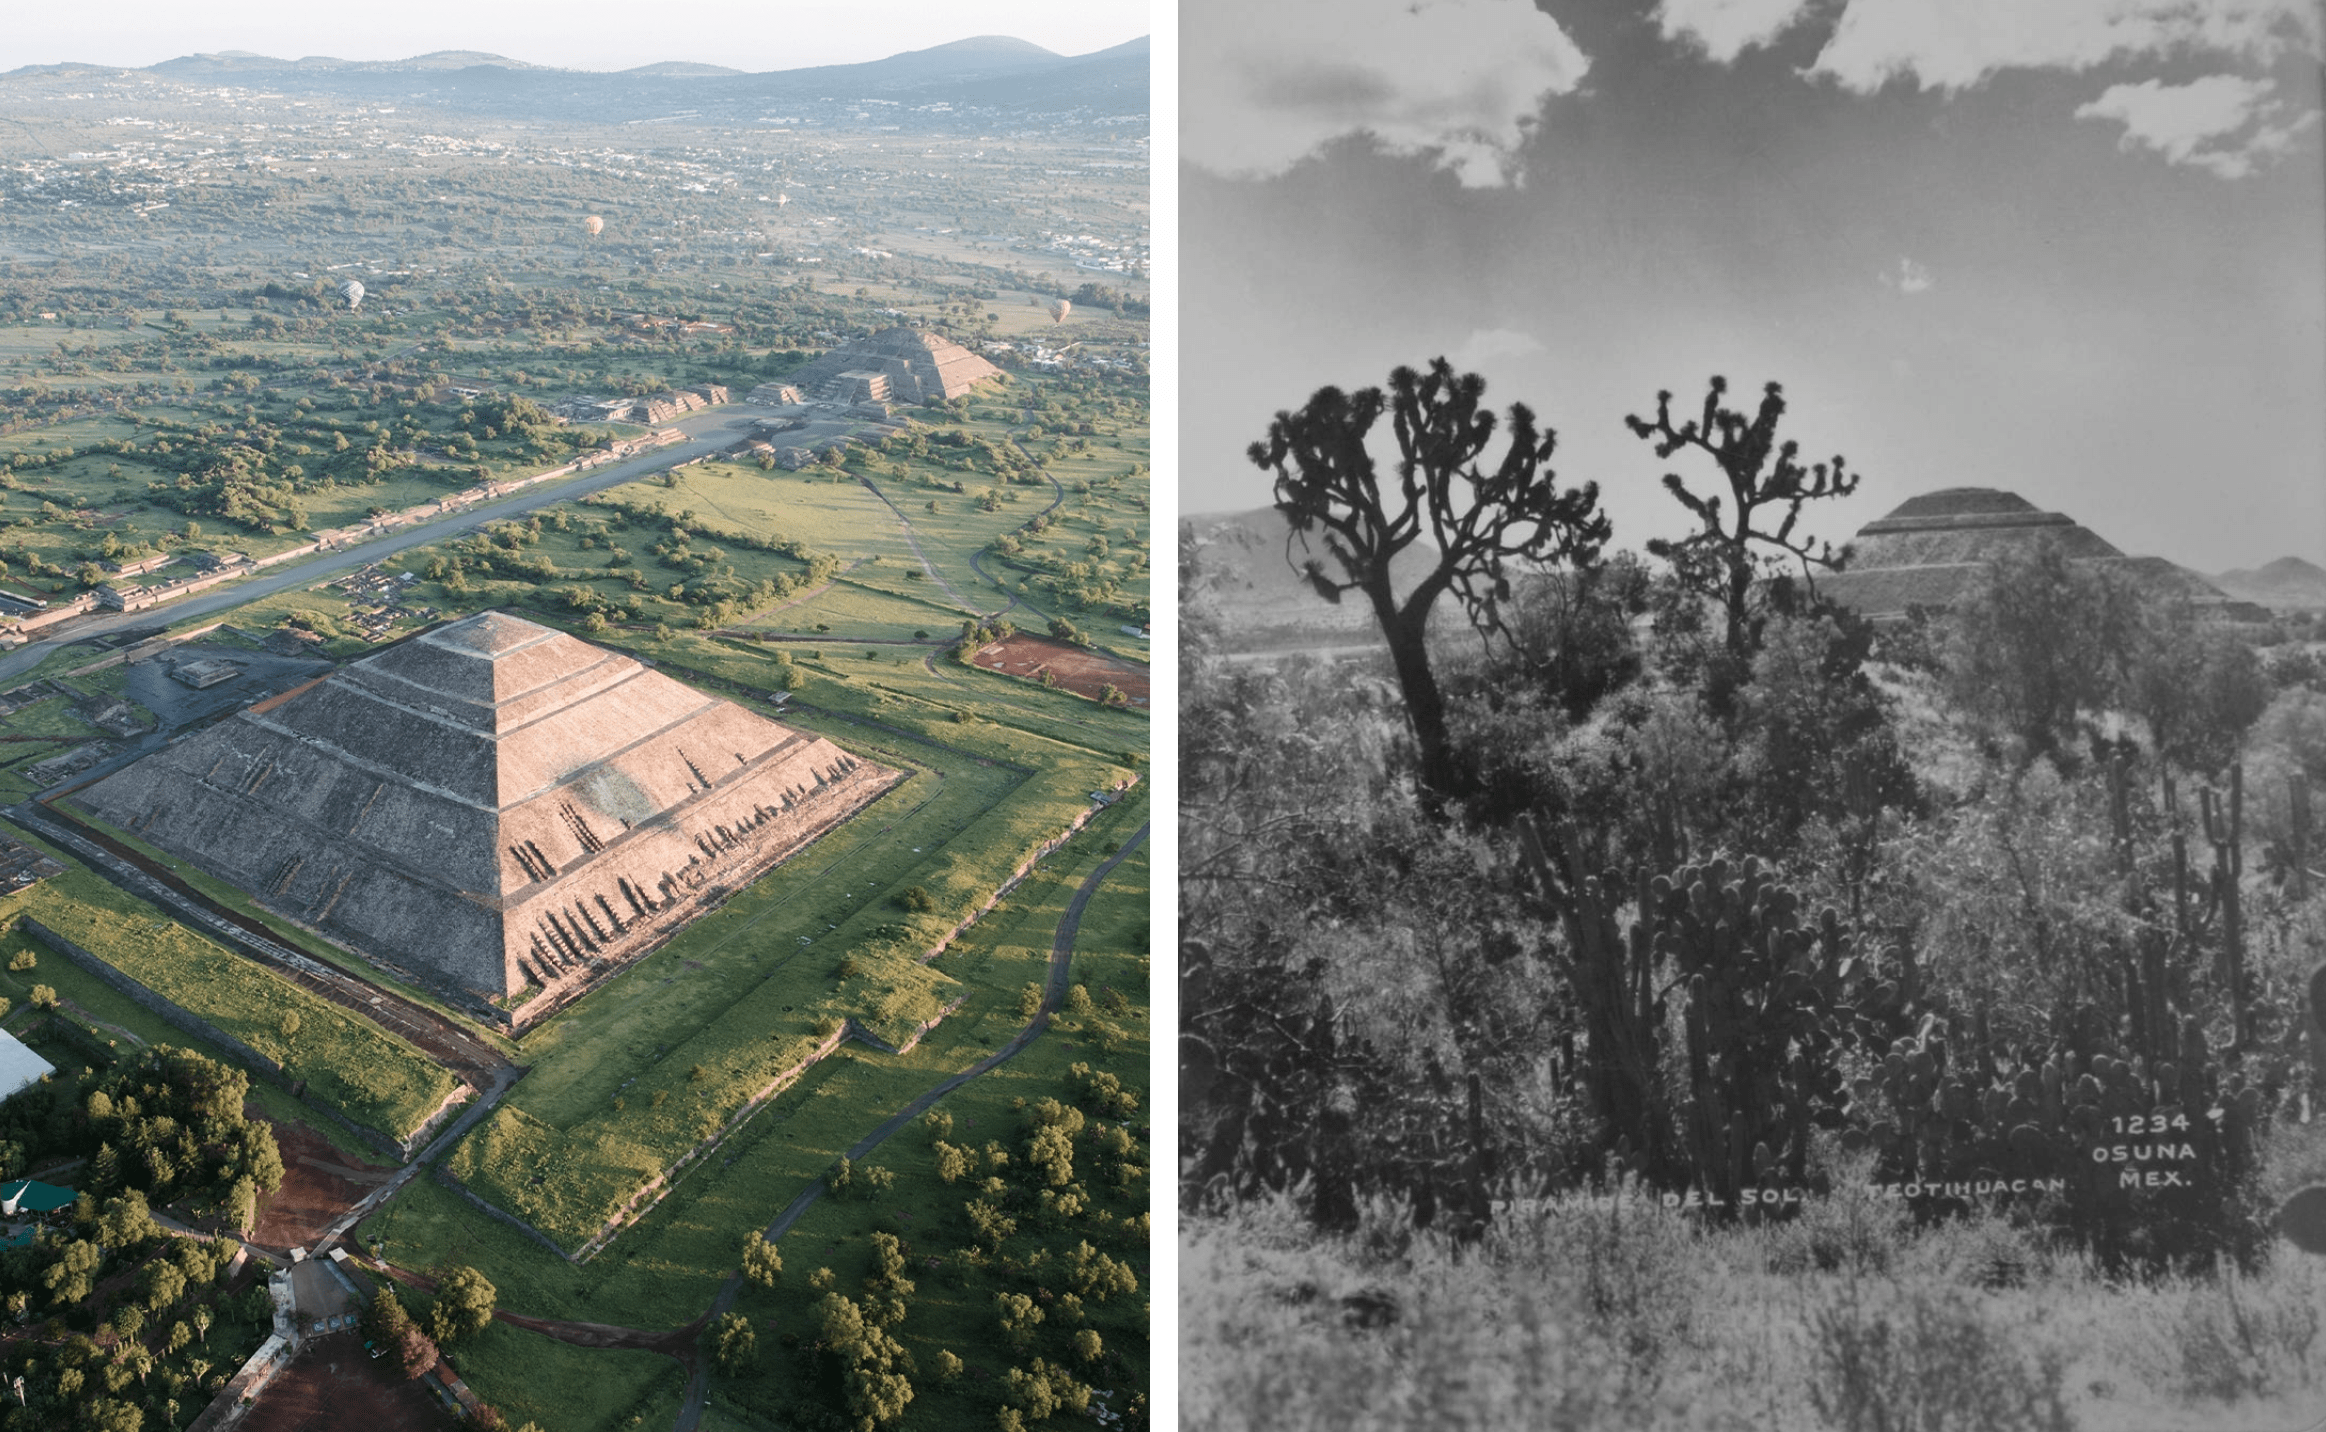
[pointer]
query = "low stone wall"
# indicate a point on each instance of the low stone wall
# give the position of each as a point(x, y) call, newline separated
point(234, 1400)
point(1018, 876)
point(658, 1188)
point(862, 1035)
point(185, 1019)
point(170, 1010)
point(494, 1210)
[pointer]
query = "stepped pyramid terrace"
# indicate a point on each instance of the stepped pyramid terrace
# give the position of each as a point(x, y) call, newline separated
point(492, 805)
point(1927, 552)
point(903, 365)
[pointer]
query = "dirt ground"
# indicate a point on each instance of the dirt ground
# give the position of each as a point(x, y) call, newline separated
point(319, 1184)
point(331, 1384)
point(1085, 673)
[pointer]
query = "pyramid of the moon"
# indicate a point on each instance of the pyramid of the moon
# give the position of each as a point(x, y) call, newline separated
point(491, 804)
point(913, 366)
point(1930, 549)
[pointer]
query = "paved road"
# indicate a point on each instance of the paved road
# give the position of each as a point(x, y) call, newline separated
point(690, 1414)
point(708, 432)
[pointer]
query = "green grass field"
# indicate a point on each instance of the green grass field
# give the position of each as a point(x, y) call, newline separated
point(953, 1309)
point(533, 1377)
point(98, 1001)
point(664, 1271)
point(350, 1064)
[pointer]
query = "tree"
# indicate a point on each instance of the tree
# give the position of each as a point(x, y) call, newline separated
point(415, 1354)
point(762, 1264)
point(2200, 690)
point(1327, 482)
point(1722, 560)
point(464, 1304)
point(734, 1346)
point(2037, 639)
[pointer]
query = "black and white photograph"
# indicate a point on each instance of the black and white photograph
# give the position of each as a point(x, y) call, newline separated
point(1752, 698)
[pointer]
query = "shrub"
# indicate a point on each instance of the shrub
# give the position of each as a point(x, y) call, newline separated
point(1934, 1365)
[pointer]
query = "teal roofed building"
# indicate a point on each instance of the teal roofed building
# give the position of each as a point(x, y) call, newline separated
point(30, 1195)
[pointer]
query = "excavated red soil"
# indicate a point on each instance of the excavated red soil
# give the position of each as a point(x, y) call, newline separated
point(320, 1182)
point(1085, 673)
point(332, 1384)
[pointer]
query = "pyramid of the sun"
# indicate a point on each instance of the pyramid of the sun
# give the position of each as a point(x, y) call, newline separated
point(1931, 549)
point(492, 804)
point(915, 366)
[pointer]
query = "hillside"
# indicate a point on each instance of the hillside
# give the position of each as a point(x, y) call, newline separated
point(2287, 582)
point(952, 82)
point(1263, 604)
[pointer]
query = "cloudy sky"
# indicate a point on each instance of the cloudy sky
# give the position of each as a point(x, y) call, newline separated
point(579, 34)
point(2075, 249)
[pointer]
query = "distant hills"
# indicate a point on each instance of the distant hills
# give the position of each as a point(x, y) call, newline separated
point(2287, 582)
point(1242, 573)
point(984, 74)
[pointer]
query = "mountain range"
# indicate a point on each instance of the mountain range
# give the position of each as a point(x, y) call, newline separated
point(983, 74)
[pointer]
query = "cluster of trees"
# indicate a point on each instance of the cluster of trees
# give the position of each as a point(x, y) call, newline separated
point(1057, 1265)
point(140, 1355)
point(1454, 843)
point(167, 1124)
point(462, 1307)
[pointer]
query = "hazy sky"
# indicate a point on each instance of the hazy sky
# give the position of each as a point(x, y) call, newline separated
point(578, 34)
point(2074, 248)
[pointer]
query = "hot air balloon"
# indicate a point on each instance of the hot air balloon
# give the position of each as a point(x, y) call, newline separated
point(781, 200)
point(1059, 308)
point(593, 225)
point(352, 292)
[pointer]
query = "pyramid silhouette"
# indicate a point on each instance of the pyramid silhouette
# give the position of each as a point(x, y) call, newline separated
point(492, 804)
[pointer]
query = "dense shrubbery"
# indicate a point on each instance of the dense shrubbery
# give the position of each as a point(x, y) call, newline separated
point(167, 1125)
point(1730, 902)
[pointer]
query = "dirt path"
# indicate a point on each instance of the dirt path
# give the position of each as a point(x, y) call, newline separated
point(332, 1384)
point(318, 1188)
point(1053, 994)
point(906, 524)
point(677, 1343)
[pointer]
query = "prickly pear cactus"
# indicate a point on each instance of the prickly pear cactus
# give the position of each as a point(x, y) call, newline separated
point(2147, 1162)
point(1772, 1004)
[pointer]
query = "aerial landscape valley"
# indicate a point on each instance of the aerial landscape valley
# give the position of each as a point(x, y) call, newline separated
point(574, 718)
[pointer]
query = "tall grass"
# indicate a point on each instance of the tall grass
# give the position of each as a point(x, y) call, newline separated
point(1577, 1312)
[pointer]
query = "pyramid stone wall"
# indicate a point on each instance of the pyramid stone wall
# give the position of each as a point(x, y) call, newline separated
point(918, 366)
point(493, 804)
point(1931, 549)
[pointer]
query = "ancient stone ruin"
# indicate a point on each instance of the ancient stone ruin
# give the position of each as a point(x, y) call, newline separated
point(1930, 549)
point(904, 365)
point(492, 805)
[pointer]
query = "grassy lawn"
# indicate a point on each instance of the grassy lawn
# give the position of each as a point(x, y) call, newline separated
point(663, 1271)
point(110, 1009)
point(349, 1064)
point(531, 1377)
point(953, 1309)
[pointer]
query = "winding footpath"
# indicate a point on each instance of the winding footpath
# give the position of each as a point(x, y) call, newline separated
point(690, 1415)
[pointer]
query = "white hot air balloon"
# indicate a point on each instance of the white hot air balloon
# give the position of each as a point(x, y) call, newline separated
point(781, 200)
point(1059, 308)
point(593, 225)
point(352, 292)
